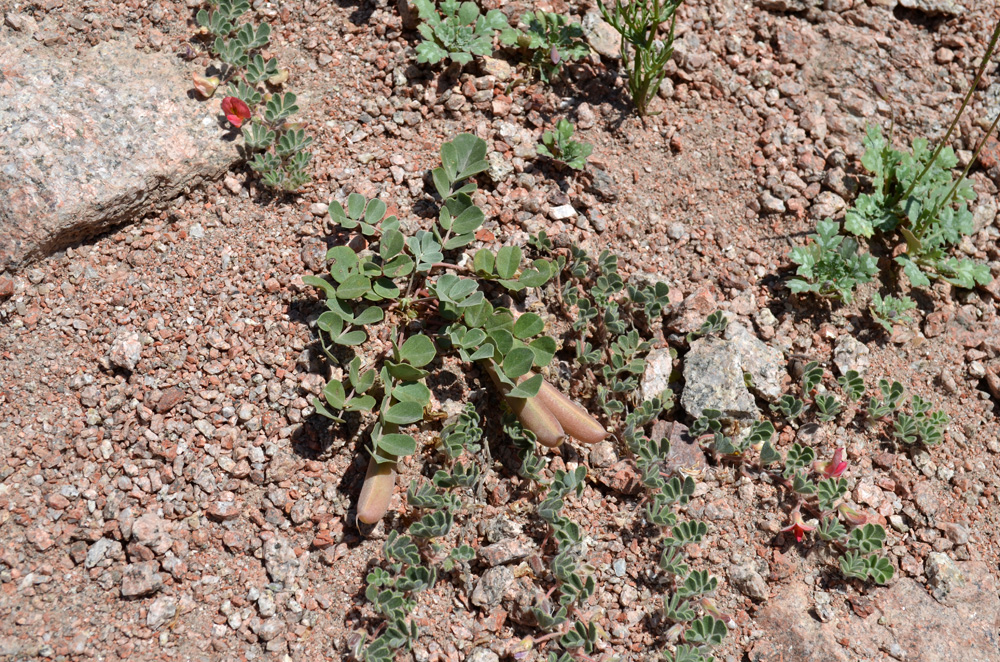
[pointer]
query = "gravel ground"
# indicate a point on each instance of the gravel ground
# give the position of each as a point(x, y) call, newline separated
point(166, 491)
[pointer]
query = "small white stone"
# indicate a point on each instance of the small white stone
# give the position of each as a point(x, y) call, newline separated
point(562, 212)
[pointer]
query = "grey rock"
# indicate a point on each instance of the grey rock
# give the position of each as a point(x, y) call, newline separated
point(907, 623)
point(100, 550)
point(656, 377)
point(141, 579)
point(131, 139)
point(280, 561)
point(500, 168)
point(714, 380)
point(827, 204)
point(765, 364)
point(480, 654)
point(126, 350)
point(603, 185)
point(269, 629)
point(602, 454)
point(265, 604)
point(984, 214)
point(601, 36)
point(771, 204)
point(943, 575)
point(932, 7)
point(957, 533)
point(851, 354)
point(497, 67)
point(749, 582)
point(492, 586)
point(787, 5)
point(161, 611)
point(505, 551)
point(677, 231)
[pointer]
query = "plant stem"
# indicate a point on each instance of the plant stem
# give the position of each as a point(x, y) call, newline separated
point(965, 102)
point(946, 200)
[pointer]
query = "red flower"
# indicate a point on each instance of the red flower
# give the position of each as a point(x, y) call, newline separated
point(798, 527)
point(835, 467)
point(237, 112)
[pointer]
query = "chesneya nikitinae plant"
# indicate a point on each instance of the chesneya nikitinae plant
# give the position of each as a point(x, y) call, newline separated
point(920, 427)
point(812, 485)
point(546, 41)
point(831, 266)
point(416, 558)
point(915, 193)
point(429, 306)
point(251, 104)
point(574, 577)
point(559, 146)
point(689, 589)
point(644, 54)
point(610, 323)
point(889, 310)
point(458, 33)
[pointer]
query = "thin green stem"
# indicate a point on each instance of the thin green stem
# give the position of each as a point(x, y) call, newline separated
point(946, 200)
point(965, 102)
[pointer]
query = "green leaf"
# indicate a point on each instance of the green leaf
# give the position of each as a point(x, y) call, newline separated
point(508, 261)
point(397, 444)
point(544, 349)
point(354, 287)
point(483, 262)
point(413, 392)
point(464, 156)
point(403, 413)
point(528, 388)
point(321, 283)
point(405, 372)
point(343, 261)
point(518, 362)
point(417, 350)
point(528, 325)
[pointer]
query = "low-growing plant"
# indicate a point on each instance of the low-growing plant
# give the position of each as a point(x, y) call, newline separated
point(546, 42)
point(458, 32)
point(915, 193)
point(429, 307)
point(914, 201)
point(830, 265)
point(644, 53)
point(416, 559)
point(813, 486)
point(263, 116)
point(559, 146)
point(889, 310)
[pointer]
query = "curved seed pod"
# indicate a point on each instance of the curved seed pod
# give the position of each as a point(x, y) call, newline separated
point(535, 417)
point(380, 481)
point(531, 412)
point(574, 419)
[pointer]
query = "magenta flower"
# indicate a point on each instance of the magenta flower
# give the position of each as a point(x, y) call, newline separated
point(237, 112)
